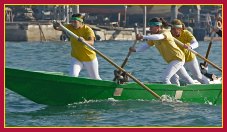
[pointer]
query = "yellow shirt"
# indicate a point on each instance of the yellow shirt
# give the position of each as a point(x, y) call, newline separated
point(79, 50)
point(186, 37)
point(167, 47)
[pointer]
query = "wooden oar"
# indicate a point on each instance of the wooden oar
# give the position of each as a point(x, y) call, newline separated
point(204, 64)
point(129, 53)
point(208, 49)
point(197, 54)
point(107, 59)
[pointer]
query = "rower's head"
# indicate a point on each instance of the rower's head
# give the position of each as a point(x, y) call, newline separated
point(156, 24)
point(77, 20)
point(177, 27)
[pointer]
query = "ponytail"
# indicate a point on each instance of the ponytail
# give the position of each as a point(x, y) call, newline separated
point(164, 22)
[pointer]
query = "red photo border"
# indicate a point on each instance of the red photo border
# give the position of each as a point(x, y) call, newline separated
point(90, 2)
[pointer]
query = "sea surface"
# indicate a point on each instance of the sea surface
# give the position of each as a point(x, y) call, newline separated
point(147, 66)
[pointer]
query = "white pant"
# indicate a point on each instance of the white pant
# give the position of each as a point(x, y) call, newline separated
point(91, 66)
point(193, 67)
point(176, 67)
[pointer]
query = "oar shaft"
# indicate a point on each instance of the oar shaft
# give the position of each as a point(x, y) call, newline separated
point(134, 44)
point(111, 62)
point(197, 54)
point(129, 53)
point(131, 76)
point(209, 47)
point(208, 51)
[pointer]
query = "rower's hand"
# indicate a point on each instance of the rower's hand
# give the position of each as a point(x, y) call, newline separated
point(56, 25)
point(187, 47)
point(132, 49)
point(203, 68)
point(81, 39)
point(139, 37)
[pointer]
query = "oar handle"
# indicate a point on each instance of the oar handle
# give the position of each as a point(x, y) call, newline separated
point(136, 30)
point(110, 61)
point(197, 54)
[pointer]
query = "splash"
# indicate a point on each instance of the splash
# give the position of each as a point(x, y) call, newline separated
point(167, 98)
point(207, 101)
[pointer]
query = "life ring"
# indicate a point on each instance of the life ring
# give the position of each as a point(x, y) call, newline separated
point(219, 24)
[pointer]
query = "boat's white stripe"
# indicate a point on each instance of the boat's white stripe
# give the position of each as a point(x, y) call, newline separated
point(178, 94)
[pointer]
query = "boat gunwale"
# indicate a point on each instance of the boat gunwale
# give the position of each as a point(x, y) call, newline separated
point(129, 85)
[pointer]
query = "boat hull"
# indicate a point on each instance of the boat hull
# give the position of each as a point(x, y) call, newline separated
point(55, 89)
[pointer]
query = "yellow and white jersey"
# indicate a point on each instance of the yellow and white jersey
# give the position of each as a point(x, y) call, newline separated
point(79, 50)
point(167, 47)
point(186, 37)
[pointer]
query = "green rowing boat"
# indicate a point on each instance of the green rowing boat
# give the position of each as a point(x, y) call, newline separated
point(57, 89)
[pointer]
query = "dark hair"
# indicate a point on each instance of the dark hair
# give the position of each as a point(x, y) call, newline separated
point(219, 19)
point(183, 26)
point(80, 15)
point(165, 24)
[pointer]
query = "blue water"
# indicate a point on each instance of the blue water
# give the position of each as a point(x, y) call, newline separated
point(146, 66)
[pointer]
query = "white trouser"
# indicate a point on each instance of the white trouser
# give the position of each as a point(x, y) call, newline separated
point(176, 67)
point(193, 67)
point(175, 79)
point(91, 66)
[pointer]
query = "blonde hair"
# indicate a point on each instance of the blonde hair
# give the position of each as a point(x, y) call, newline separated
point(178, 23)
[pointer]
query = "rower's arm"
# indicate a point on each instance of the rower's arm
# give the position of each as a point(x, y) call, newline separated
point(142, 47)
point(194, 44)
point(90, 40)
point(154, 37)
